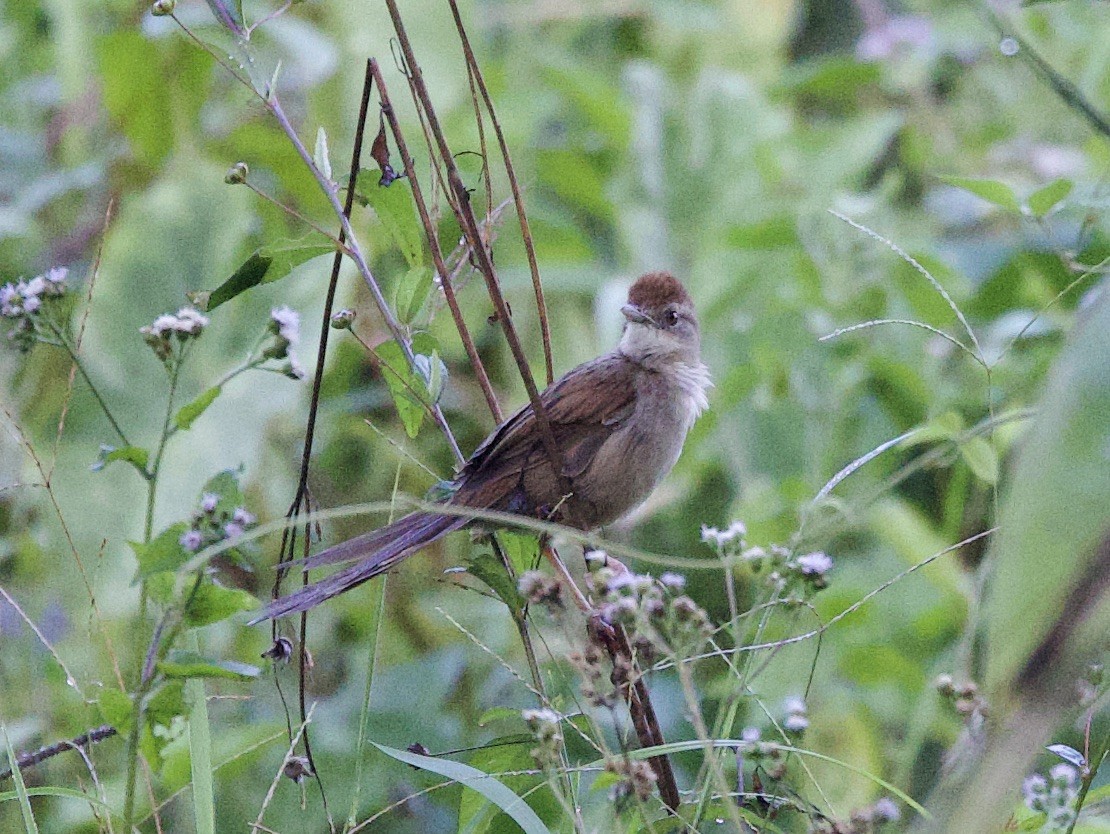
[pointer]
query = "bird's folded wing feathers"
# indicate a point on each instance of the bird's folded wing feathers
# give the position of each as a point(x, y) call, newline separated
point(582, 407)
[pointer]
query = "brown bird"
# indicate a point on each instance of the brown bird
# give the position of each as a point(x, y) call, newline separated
point(619, 422)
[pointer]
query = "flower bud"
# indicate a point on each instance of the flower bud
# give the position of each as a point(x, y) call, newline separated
point(237, 174)
point(343, 319)
point(161, 8)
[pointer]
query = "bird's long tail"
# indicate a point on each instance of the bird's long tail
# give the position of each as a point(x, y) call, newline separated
point(373, 553)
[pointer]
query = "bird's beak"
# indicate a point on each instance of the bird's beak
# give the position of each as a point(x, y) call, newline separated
point(636, 315)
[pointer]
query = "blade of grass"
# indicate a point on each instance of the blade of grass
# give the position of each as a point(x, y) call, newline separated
point(29, 825)
point(470, 777)
point(200, 754)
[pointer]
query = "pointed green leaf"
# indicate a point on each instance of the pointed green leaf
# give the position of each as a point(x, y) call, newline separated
point(189, 413)
point(394, 206)
point(134, 455)
point(992, 191)
point(1044, 200)
point(521, 547)
point(407, 388)
point(250, 274)
point(183, 664)
point(488, 568)
point(163, 553)
point(412, 292)
point(212, 603)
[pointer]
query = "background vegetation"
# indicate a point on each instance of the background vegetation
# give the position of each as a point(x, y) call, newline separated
point(709, 138)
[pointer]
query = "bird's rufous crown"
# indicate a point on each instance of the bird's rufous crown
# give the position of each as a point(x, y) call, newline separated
point(656, 290)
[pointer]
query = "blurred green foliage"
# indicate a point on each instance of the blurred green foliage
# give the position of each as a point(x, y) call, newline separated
point(709, 138)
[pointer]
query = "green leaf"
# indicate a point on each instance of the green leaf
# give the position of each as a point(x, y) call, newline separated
point(166, 704)
point(500, 714)
point(492, 789)
point(115, 708)
point(250, 274)
point(404, 386)
point(135, 455)
point(992, 191)
point(212, 603)
point(189, 413)
point(184, 664)
point(394, 206)
point(160, 586)
point(980, 456)
point(412, 292)
point(162, 553)
point(522, 549)
point(1044, 200)
point(266, 265)
point(489, 569)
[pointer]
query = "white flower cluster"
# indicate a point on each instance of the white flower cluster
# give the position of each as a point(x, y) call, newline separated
point(1054, 796)
point(188, 323)
point(22, 301)
point(734, 533)
point(795, 721)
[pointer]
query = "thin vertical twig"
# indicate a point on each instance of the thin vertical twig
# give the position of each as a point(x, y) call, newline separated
point(475, 73)
point(469, 224)
point(433, 245)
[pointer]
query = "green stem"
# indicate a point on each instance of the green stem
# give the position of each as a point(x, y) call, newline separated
point(1087, 778)
point(147, 681)
point(63, 342)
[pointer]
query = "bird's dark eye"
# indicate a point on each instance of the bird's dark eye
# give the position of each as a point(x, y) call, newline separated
point(671, 318)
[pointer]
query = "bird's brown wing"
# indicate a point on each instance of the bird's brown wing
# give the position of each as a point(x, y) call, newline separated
point(583, 407)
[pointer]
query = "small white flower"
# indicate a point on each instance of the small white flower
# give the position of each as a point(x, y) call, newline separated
point(1034, 790)
point(33, 288)
point(795, 723)
point(886, 810)
point(735, 531)
point(164, 324)
point(208, 502)
point(8, 294)
point(1063, 776)
point(815, 564)
point(750, 734)
point(793, 704)
point(288, 323)
point(190, 540)
point(190, 322)
point(32, 304)
point(57, 277)
point(233, 530)
point(540, 716)
point(673, 581)
point(242, 517)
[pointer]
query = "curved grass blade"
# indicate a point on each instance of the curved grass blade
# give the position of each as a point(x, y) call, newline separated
point(483, 783)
